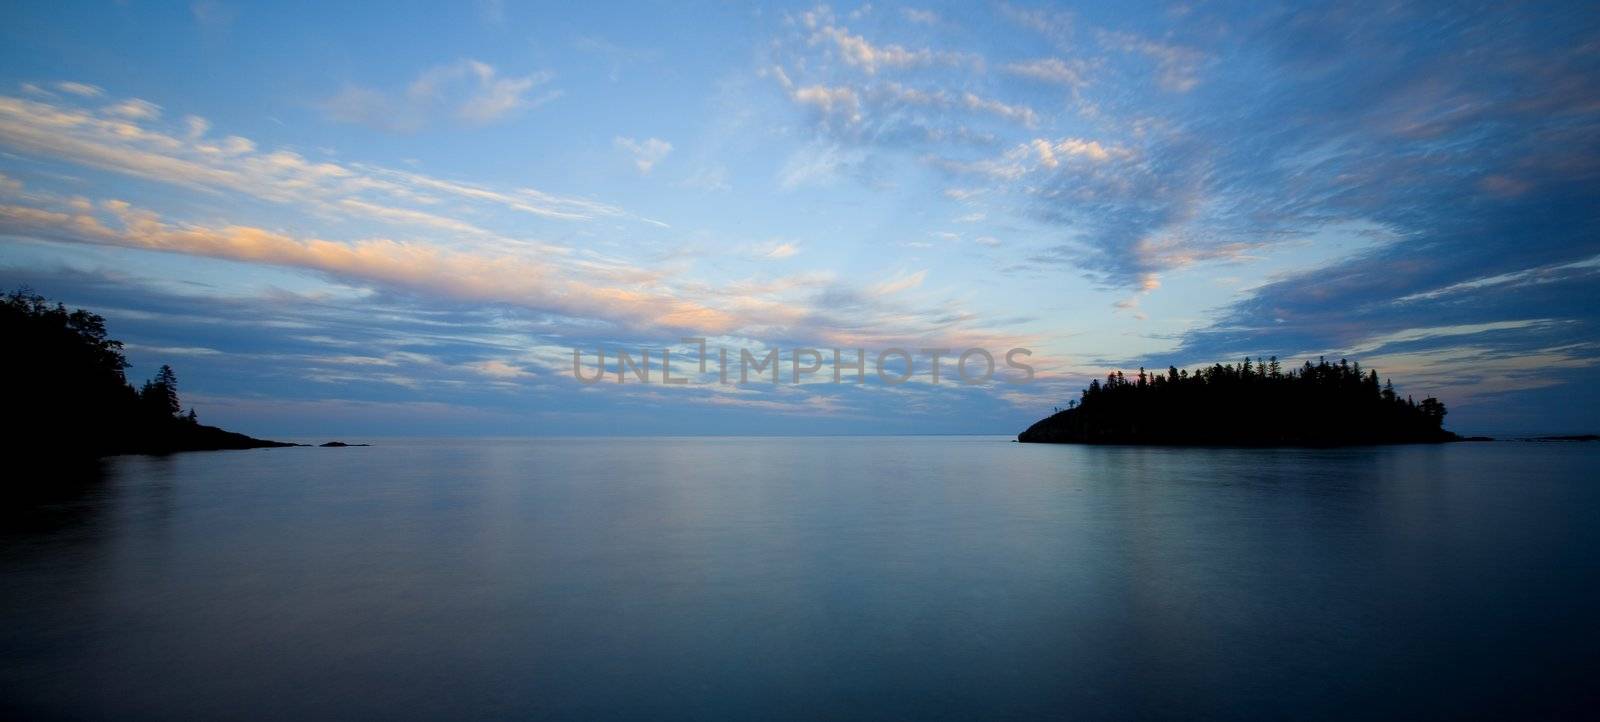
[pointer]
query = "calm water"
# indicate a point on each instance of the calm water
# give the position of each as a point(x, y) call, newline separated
point(898, 578)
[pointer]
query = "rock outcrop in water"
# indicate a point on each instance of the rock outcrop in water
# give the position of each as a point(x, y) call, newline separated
point(1252, 404)
point(67, 395)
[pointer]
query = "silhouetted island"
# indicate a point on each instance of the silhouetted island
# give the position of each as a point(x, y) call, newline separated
point(67, 393)
point(1252, 404)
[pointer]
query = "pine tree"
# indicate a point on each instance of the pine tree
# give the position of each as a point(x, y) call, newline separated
point(160, 394)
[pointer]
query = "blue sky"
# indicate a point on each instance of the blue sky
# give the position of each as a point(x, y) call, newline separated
point(401, 219)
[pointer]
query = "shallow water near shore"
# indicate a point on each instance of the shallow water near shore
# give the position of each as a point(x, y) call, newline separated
point(805, 578)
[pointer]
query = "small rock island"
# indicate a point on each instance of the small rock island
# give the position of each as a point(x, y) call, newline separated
point(1251, 404)
point(69, 397)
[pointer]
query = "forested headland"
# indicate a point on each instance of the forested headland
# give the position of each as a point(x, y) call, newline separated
point(1250, 404)
point(68, 395)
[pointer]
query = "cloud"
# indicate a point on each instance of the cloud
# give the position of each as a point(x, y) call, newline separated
point(1050, 153)
point(1056, 26)
point(900, 282)
point(888, 112)
point(1019, 113)
point(885, 96)
point(499, 369)
point(1045, 157)
point(1050, 70)
point(196, 126)
point(468, 91)
point(84, 90)
point(580, 291)
point(782, 250)
point(818, 164)
point(135, 109)
point(1177, 67)
point(1420, 157)
point(830, 103)
point(892, 96)
point(646, 153)
point(486, 277)
point(365, 106)
point(487, 98)
point(188, 158)
point(857, 51)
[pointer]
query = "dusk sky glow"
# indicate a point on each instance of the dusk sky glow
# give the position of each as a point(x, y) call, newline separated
point(402, 219)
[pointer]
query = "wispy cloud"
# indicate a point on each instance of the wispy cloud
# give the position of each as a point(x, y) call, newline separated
point(781, 251)
point(900, 282)
point(1177, 67)
point(857, 51)
point(546, 283)
point(1055, 25)
point(469, 91)
point(135, 109)
point(84, 90)
point(591, 291)
point(646, 153)
point(192, 158)
point(1051, 70)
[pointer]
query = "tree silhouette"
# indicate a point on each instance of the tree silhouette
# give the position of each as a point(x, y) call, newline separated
point(160, 394)
point(1253, 403)
point(68, 392)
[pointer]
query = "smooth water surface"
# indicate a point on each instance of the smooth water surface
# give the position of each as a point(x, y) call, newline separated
point(816, 578)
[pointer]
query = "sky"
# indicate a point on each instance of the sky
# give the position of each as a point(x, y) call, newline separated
point(402, 218)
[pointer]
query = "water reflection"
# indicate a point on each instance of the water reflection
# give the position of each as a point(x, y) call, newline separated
point(804, 579)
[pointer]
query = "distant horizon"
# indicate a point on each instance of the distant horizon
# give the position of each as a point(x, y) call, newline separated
point(1507, 436)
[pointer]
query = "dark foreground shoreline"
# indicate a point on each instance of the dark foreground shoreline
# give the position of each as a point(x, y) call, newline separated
point(191, 438)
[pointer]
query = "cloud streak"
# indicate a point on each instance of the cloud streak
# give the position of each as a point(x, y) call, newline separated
point(468, 91)
point(192, 159)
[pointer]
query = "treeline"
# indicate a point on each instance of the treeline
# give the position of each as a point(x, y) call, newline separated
point(67, 392)
point(1254, 403)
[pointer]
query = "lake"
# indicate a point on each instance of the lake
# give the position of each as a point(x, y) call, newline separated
point(924, 578)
